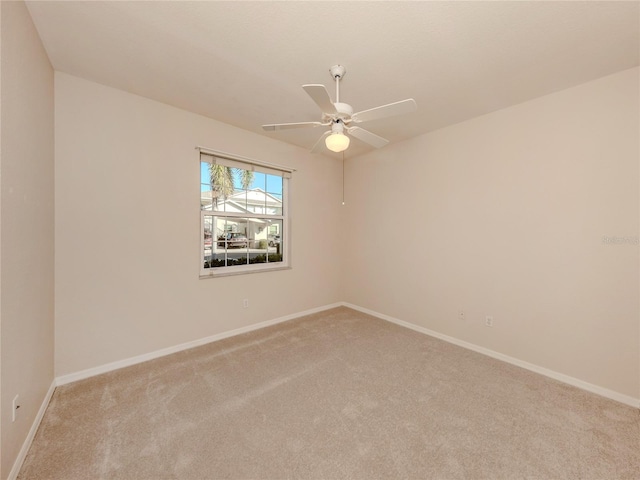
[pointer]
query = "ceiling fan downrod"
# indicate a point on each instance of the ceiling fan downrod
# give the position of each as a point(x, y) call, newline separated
point(337, 72)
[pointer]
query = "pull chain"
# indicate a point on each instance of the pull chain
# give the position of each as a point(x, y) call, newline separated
point(343, 177)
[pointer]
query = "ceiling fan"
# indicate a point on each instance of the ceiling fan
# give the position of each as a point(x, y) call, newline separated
point(340, 117)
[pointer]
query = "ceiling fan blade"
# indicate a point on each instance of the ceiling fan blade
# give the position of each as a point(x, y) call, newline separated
point(404, 106)
point(319, 94)
point(286, 126)
point(320, 143)
point(367, 137)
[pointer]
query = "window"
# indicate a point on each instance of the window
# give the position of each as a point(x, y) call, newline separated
point(243, 215)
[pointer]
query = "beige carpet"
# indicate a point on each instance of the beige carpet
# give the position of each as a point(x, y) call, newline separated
point(335, 395)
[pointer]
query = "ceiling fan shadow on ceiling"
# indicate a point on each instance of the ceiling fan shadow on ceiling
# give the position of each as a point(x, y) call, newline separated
point(340, 117)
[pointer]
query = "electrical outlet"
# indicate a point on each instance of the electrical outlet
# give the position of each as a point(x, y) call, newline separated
point(245, 303)
point(460, 314)
point(16, 406)
point(488, 321)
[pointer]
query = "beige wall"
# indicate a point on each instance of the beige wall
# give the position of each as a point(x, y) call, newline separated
point(504, 215)
point(127, 229)
point(26, 217)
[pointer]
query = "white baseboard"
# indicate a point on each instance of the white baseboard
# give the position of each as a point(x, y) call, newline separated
point(22, 454)
point(589, 387)
point(604, 392)
point(90, 372)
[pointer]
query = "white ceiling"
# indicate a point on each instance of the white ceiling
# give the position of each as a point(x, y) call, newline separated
point(243, 63)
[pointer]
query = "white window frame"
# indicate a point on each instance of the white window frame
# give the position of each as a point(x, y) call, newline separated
point(235, 161)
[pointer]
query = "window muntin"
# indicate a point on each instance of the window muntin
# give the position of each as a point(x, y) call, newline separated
point(243, 210)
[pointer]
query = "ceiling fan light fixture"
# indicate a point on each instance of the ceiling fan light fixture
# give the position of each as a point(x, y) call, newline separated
point(337, 142)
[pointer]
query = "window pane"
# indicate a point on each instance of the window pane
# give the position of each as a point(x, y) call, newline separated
point(259, 181)
point(237, 202)
point(274, 235)
point(208, 237)
point(205, 186)
point(274, 184)
point(275, 210)
point(205, 197)
point(220, 179)
point(274, 194)
point(256, 201)
point(205, 177)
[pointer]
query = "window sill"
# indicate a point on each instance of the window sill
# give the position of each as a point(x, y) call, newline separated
point(231, 271)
